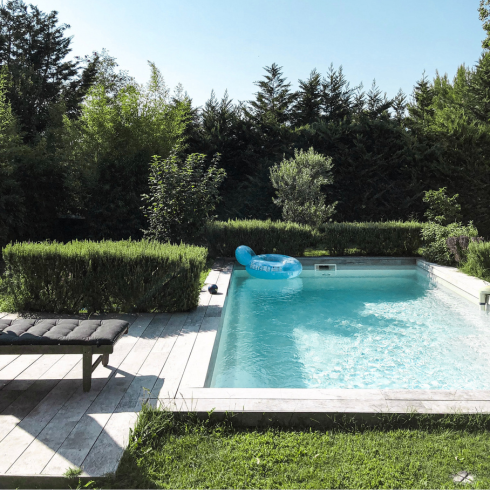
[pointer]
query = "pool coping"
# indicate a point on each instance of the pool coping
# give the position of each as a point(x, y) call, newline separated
point(279, 405)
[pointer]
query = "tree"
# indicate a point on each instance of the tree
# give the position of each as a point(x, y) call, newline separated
point(442, 209)
point(298, 183)
point(34, 48)
point(273, 101)
point(183, 194)
point(109, 149)
point(11, 202)
point(307, 108)
point(336, 95)
point(420, 110)
point(484, 15)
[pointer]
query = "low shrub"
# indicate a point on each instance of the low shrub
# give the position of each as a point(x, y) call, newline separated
point(103, 276)
point(387, 238)
point(261, 236)
point(478, 260)
point(435, 237)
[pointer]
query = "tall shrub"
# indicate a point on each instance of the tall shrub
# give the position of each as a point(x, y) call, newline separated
point(183, 194)
point(299, 184)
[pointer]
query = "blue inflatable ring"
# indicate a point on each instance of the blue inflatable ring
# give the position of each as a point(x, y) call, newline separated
point(268, 266)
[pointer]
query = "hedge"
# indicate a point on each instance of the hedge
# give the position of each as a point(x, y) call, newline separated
point(388, 238)
point(478, 260)
point(278, 237)
point(103, 276)
point(391, 238)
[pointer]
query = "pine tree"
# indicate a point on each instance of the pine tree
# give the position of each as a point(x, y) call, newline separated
point(420, 109)
point(479, 89)
point(273, 101)
point(399, 105)
point(34, 48)
point(376, 102)
point(307, 108)
point(337, 95)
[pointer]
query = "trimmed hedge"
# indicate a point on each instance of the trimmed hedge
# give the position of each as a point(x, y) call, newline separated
point(103, 276)
point(389, 238)
point(261, 236)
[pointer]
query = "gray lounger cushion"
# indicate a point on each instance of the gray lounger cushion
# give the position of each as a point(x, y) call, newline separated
point(61, 332)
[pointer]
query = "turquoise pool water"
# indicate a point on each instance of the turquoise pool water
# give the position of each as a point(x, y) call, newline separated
point(365, 328)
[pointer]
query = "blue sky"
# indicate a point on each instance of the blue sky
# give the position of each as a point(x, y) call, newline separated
point(224, 44)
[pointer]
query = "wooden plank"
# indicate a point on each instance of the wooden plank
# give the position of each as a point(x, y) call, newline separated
point(6, 359)
point(17, 366)
point(12, 446)
point(78, 444)
point(145, 379)
point(107, 451)
point(42, 449)
point(171, 374)
point(197, 366)
point(35, 371)
point(17, 410)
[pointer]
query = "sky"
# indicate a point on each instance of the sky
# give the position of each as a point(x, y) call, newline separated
point(224, 44)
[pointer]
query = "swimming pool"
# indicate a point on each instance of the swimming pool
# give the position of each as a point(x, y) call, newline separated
point(357, 328)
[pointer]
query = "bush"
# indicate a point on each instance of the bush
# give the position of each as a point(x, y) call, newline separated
point(478, 260)
point(388, 238)
point(261, 236)
point(103, 276)
point(183, 193)
point(298, 183)
point(435, 238)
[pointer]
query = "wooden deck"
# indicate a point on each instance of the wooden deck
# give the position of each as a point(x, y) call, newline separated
point(48, 424)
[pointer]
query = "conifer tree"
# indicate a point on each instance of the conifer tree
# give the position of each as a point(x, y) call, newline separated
point(307, 108)
point(420, 109)
point(273, 101)
point(337, 95)
point(34, 48)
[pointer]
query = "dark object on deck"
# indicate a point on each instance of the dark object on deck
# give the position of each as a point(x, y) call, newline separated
point(213, 289)
point(87, 337)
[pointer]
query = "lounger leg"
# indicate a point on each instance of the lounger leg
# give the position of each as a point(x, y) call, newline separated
point(87, 368)
point(105, 359)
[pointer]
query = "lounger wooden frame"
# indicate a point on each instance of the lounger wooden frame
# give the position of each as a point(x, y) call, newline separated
point(87, 351)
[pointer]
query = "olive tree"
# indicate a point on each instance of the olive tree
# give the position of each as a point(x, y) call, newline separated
point(298, 183)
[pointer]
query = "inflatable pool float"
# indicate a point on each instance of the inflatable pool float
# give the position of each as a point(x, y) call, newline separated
point(268, 266)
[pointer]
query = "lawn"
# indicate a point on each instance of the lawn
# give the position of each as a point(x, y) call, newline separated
point(421, 452)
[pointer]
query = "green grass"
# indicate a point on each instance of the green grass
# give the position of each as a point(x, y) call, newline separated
point(420, 452)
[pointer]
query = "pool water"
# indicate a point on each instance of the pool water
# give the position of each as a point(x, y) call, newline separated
point(362, 328)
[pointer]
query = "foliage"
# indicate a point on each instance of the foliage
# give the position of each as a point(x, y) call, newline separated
point(103, 276)
point(442, 208)
point(261, 236)
point(110, 146)
point(409, 451)
point(478, 260)
point(34, 48)
point(10, 202)
point(394, 238)
point(183, 194)
point(435, 235)
point(298, 183)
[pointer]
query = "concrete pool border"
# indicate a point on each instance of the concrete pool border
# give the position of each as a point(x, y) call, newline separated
point(264, 405)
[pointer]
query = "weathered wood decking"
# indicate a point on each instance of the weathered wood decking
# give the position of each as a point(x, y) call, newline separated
point(48, 424)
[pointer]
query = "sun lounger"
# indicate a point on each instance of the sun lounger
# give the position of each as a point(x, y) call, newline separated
point(87, 337)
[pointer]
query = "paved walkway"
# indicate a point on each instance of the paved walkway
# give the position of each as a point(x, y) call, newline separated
point(48, 424)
